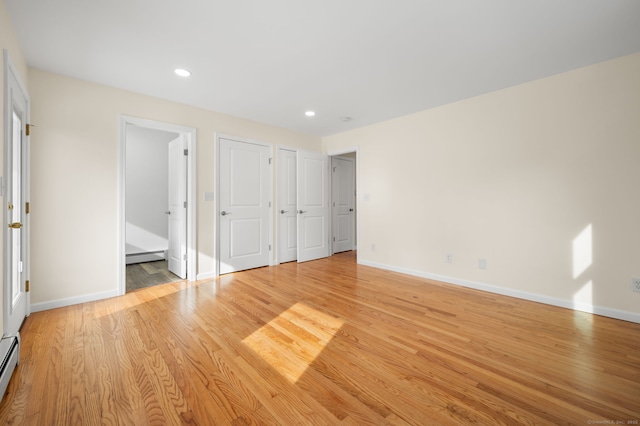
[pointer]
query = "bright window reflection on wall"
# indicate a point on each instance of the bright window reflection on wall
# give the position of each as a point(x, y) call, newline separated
point(583, 298)
point(582, 252)
point(582, 260)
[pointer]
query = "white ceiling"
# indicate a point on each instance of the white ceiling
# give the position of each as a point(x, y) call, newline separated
point(271, 60)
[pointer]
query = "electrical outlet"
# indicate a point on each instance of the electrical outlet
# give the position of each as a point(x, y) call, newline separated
point(373, 247)
point(482, 263)
point(635, 284)
point(449, 258)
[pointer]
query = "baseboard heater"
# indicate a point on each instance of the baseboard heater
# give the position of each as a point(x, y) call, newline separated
point(9, 354)
point(149, 256)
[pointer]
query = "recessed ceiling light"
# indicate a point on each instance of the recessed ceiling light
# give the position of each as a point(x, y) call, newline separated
point(310, 113)
point(182, 72)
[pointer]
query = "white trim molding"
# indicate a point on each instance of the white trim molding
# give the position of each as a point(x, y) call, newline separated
point(533, 297)
point(61, 303)
point(206, 276)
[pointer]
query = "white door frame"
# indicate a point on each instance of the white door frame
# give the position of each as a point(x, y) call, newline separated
point(189, 134)
point(353, 200)
point(217, 137)
point(9, 68)
point(338, 153)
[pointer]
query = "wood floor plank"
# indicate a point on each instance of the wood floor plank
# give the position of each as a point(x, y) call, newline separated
point(71, 395)
point(188, 372)
point(324, 342)
point(41, 363)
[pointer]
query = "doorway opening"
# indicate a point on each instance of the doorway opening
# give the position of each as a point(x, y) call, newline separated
point(343, 202)
point(157, 203)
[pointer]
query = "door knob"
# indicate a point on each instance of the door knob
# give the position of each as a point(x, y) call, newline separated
point(223, 213)
point(15, 225)
point(167, 212)
point(284, 211)
point(301, 211)
point(350, 210)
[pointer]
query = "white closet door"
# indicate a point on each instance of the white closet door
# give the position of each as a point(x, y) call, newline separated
point(244, 205)
point(313, 205)
point(287, 207)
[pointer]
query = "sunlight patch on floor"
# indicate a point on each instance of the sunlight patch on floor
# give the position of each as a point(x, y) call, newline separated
point(139, 297)
point(291, 341)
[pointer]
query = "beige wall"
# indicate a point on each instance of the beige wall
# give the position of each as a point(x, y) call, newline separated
point(513, 177)
point(9, 42)
point(74, 183)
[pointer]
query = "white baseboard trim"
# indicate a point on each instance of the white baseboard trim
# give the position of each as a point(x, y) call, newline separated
point(534, 297)
point(60, 303)
point(205, 276)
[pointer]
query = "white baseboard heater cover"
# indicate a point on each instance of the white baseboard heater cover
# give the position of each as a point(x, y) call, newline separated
point(150, 256)
point(9, 354)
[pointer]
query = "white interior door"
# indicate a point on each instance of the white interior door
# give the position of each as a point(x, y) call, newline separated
point(287, 207)
point(244, 203)
point(342, 204)
point(313, 205)
point(177, 208)
point(16, 297)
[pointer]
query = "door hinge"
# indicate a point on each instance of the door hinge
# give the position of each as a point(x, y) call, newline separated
point(185, 204)
point(27, 208)
point(269, 247)
point(334, 169)
point(184, 256)
point(27, 286)
point(334, 239)
point(269, 203)
point(27, 128)
point(10, 206)
point(186, 152)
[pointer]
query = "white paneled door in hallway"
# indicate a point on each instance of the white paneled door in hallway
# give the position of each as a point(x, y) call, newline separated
point(244, 205)
point(342, 203)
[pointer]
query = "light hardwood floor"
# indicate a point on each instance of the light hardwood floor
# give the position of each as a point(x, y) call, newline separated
point(324, 342)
